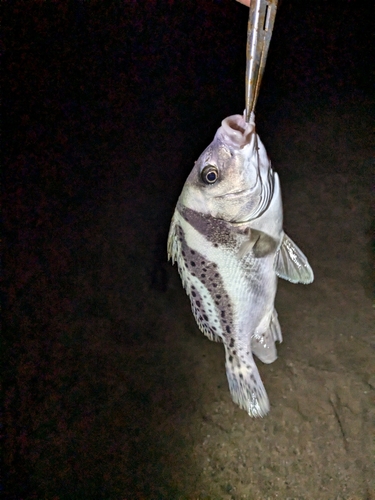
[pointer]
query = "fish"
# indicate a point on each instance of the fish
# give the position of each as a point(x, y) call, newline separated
point(226, 236)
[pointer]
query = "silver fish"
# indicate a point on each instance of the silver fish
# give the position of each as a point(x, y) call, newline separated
point(227, 238)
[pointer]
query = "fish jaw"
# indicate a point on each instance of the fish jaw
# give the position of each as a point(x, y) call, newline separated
point(236, 132)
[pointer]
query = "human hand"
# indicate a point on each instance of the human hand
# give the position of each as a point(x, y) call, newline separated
point(245, 2)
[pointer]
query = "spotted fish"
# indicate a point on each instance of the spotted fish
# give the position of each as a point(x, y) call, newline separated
point(227, 238)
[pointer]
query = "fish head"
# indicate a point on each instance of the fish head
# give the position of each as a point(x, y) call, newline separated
point(232, 179)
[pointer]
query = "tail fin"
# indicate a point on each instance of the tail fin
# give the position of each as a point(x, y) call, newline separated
point(245, 384)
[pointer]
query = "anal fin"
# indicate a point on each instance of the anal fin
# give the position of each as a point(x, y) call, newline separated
point(291, 264)
point(263, 344)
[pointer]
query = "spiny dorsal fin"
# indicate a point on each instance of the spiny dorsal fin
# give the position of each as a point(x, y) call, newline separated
point(291, 264)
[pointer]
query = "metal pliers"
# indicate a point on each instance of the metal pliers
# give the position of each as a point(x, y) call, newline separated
point(259, 31)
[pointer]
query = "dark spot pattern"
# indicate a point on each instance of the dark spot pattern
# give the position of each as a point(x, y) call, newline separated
point(217, 231)
point(203, 305)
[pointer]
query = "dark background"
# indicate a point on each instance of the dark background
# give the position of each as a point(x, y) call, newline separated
point(106, 105)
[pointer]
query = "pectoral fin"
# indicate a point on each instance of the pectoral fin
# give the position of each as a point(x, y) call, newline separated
point(291, 264)
point(260, 243)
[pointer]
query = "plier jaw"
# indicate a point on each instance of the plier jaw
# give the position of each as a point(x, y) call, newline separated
point(259, 32)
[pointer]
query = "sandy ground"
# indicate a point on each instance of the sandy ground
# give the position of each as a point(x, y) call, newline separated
point(111, 391)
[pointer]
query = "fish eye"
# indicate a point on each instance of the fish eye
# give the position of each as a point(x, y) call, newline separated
point(209, 174)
